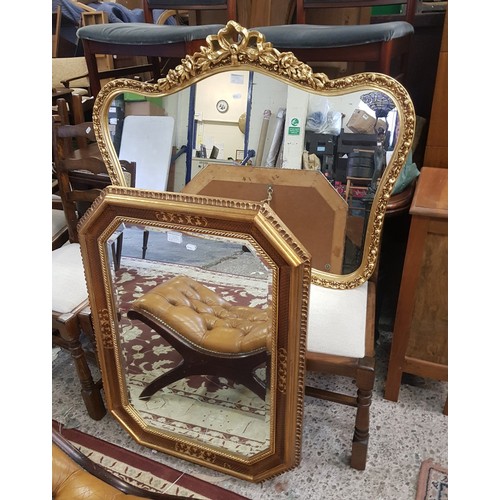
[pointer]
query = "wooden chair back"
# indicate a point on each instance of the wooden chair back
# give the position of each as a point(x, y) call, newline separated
point(303, 6)
point(80, 176)
point(194, 6)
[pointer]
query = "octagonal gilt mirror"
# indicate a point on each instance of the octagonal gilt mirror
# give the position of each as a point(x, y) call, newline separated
point(239, 119)
point(201, 337)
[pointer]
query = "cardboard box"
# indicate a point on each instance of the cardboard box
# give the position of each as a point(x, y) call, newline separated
point(143, 108)
point(361, 122)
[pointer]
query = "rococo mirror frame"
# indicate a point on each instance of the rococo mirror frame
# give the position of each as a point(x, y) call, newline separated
point(219, 218)
point(236, 47)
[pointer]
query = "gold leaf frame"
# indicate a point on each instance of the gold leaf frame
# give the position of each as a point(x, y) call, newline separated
point(235, 47)
point(291, 267)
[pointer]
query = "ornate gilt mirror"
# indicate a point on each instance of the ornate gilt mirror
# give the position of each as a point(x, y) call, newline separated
point(210, 115)
point(201, 341)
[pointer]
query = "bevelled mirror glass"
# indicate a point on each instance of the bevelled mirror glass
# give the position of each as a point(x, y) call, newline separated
point(201, 334)
point(239, 119)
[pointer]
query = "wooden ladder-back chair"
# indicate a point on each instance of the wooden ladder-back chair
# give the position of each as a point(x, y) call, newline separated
point(64, 114)
point(80, 180)
point(341, 323)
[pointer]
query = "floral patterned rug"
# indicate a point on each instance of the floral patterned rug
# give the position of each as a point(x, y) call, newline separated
point(432, 482)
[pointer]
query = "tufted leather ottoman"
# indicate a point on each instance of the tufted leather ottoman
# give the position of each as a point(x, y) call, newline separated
point(213, 336)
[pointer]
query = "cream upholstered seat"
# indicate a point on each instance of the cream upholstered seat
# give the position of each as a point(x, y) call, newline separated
point(69, 300)
point(345, 310)
point(59, 228)
point(69, 289)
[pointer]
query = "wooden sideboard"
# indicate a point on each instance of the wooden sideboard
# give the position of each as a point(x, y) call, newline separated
point(420, 336)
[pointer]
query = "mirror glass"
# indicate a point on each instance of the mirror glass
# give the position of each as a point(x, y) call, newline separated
point(209, 407)
point(200, 308)
point(240, 102)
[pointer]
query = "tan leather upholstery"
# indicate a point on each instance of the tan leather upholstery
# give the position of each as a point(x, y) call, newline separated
point(206, 319)
point(71, 482)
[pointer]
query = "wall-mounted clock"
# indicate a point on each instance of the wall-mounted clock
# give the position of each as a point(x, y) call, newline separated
point(222, 106)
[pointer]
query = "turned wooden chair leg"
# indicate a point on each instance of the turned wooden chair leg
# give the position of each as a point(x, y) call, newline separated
point(365, 381)
point(90, 390)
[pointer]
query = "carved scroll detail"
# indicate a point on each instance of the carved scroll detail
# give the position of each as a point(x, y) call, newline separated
point(282, 369)
point(195, 452)
point(106, 331)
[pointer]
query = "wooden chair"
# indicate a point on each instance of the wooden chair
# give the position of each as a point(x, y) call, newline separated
point(163, 46)
point(341, 342)
point(61, 116)
point(303, 6)
point(80, 177)
point(193, 7)
point(382, 47)
point(70, 73)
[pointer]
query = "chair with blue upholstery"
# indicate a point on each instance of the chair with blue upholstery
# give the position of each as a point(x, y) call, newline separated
point(157, 42)
point(384, 47)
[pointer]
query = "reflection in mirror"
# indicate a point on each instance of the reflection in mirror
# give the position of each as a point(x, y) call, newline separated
point(349, 138)
point(205, 384)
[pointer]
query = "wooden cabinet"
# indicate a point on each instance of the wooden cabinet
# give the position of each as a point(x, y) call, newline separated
point(420, 336)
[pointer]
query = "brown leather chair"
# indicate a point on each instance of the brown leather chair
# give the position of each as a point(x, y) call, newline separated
point(76, 477)
point(213, 336)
